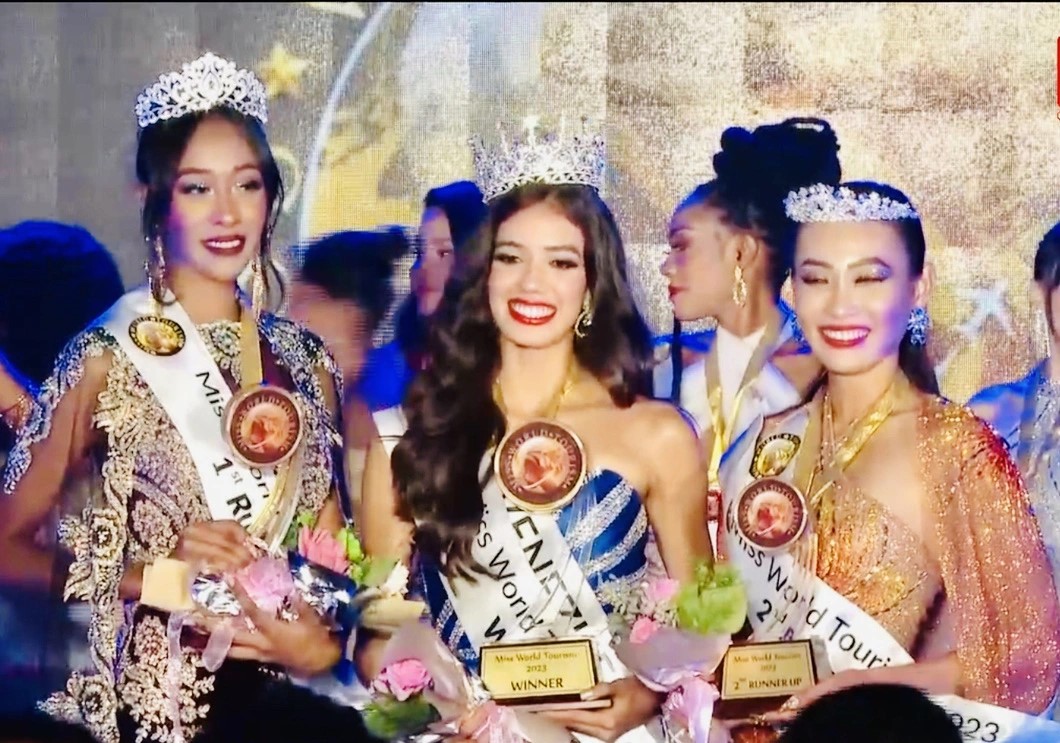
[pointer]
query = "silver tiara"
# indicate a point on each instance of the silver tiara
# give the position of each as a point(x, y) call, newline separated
point(207, 83)
point(824, 203)
point(555, 159)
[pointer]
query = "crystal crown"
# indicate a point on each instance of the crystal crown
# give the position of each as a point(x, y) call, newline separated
point(207, 83)
point(824, 203)
point(554, 159)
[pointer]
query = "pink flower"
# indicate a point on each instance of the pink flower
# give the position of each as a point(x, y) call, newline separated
point(661, 590)
point(268, 582)
point(402, 679)
point(642, 630)
point(321, 547)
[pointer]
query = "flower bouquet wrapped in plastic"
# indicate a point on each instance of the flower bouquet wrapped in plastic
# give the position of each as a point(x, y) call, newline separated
point(673, 637)
point(423, 693)
point(330, 572)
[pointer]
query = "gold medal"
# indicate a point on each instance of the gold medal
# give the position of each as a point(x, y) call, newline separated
point(263, 425)
point(156, 335)
point(540, 466)
point(773, 455)
point(771, 514)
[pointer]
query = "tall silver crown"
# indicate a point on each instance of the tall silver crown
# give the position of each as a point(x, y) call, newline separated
point(207, 83)
point(555, 159)
point(824, 203)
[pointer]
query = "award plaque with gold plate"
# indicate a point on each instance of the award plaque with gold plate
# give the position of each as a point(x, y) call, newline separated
point(758, 677)
point(541, 675)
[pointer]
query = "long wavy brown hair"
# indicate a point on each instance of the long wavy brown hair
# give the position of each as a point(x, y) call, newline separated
point(452, 417)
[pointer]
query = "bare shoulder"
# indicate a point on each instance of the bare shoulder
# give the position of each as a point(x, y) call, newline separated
point(661, 427)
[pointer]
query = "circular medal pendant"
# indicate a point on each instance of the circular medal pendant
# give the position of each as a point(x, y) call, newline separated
point(263, 425)
point(158, 336)
point(773, 455)
point(771, 514)
point(540, 466)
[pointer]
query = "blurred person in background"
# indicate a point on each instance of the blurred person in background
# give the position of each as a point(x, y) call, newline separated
point(451, 215)
point(342, 291)
point(54, 280)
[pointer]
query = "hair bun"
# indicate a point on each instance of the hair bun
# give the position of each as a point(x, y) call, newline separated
point(766, 164)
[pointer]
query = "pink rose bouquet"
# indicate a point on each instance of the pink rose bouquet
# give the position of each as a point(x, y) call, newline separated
point(423, 688)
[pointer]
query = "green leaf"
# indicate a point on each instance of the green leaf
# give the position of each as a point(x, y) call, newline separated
point(351, 544)
point(390, 719)
point(303, 519)
point(715, 604)
point(377, 570)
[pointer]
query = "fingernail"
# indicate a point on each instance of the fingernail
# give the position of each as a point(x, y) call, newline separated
point(588, 696)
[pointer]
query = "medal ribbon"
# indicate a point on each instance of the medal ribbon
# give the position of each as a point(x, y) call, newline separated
point(274, 519)
point(721, 430)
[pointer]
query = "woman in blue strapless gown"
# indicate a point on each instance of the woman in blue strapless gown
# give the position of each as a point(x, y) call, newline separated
point(538, 352)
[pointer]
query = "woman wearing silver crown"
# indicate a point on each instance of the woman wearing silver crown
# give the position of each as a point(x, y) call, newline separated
point(878, 517)
point(540, 366)
point(729, 244)
point(204, 418)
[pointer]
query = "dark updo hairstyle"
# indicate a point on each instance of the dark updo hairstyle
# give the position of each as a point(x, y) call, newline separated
point(465, 210)
point(159, 148)
point(755, 171)
point(357, 266)
point(1047, 269)
point(452, 416)
point(913, 359)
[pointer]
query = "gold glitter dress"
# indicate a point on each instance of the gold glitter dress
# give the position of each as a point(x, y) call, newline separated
point(98, 421)
point(976, 581)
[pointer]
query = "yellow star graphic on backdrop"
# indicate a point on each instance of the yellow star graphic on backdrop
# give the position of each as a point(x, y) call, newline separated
point(282, 72)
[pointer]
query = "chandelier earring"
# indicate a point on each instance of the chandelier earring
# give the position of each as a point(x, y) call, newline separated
point(739, 288)
point(918, 326)
point(585, 318)
point(155, 267)
point(1041, 334)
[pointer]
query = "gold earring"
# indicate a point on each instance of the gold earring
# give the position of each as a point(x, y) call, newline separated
point(156, 272)
point(257, 286)
point(585, 318)
point(739, 288)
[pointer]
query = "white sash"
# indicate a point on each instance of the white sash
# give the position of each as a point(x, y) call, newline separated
point(540, 591)
point(194, 394)
point(785, 602)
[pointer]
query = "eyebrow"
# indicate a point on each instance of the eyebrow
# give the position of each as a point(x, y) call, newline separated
point(855, 264)
point(205, 171)
point(549, 248)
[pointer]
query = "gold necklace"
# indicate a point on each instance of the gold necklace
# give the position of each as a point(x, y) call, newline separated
point(552, 409)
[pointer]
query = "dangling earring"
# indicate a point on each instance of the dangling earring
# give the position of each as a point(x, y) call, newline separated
point(739, 288)
point(257, 286)
point(1041, 335)
point(155, 266)
point(918, 326)
point(585, 318)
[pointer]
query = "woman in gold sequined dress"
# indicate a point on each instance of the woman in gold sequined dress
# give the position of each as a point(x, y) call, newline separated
point(930, 570)
point(144, 424)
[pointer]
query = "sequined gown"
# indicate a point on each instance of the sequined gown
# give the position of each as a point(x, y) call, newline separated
point(98, 419)
point(983, 590)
